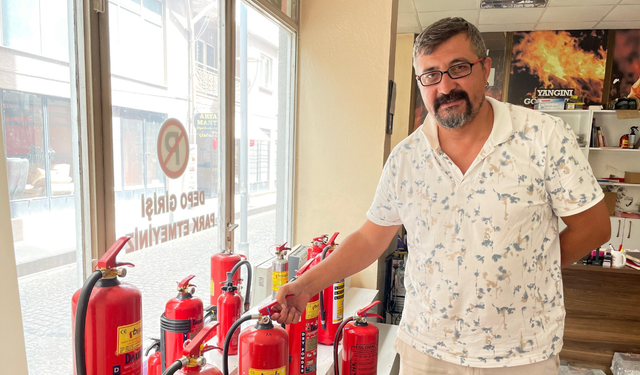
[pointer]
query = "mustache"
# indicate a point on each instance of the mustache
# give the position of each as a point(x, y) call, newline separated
point(452, 96)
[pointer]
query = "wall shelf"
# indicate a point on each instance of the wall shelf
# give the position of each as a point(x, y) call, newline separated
point(615, 149)
point(618, 184)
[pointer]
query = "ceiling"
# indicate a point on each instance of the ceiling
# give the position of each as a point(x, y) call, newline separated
point(415, 15)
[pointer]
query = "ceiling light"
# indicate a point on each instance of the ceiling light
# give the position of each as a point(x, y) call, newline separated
point(500, 4)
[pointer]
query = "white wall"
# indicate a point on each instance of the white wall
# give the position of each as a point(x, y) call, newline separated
point(12, 352)
point(346, 51)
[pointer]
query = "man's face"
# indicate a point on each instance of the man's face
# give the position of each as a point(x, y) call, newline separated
point(454, 102)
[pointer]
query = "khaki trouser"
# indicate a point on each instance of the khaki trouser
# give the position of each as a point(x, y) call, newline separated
point(413, 362)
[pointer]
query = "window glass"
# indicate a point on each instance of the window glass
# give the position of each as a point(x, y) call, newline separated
point(263, 133)
point(41, 148)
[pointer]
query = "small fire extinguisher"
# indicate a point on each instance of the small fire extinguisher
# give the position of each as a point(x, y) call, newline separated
point(181, 321)
point(263, 348)
point(193, 361)
point(624, 141)
point(107, 315)
point(154, 361)
point(303, 336)
point(280, 269)
point(359, 345)
point(331, 304)
point(221, 263)
point(230, 307)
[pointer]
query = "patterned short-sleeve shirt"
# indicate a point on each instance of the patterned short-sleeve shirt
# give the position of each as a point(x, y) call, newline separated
point(483, 275)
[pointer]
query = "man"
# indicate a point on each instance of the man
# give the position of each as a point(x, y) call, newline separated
point(479, 187)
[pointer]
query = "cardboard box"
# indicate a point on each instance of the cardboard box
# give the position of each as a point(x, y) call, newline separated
point(550, 104)
point(632, 178)
point(610, 200)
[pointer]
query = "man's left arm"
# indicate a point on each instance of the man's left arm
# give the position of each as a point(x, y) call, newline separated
point(585, 232)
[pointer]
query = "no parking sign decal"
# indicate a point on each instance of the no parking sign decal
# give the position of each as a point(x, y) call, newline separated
point(173, 148)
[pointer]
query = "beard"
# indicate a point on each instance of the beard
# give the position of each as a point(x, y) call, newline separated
point(451, 118)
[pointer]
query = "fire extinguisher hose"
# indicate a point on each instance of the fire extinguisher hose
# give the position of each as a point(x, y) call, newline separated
point(175, 366)
point(81, 319)
point(323, 312)
point(336, 341)
point(247, 298)
point(227, 342)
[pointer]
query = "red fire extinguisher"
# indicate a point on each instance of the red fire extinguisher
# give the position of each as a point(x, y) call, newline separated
point(263, 348)
point(230, 307)
point(319, 243)
point(193, 361)
point(359, 345)
point(181, 321)
point(331, 304)
point(303, 336)
point(222, 263)
point(107, 315)
point(154, 361)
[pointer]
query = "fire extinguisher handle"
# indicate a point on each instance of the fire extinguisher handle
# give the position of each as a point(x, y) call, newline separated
point(186, 282)
point(282, 247)
point(156, 344)
point(124, 264)
point(266, 309)
point(210, 347)
point(108, 260)
point(320, 239)
point(193, 348)
point(363, 312)
point(332, 240)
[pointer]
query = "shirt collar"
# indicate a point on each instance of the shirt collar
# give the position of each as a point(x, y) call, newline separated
point(501, 131)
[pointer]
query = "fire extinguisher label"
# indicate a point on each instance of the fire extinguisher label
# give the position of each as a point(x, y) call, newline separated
point(364, 360)
point(338, 302)
point(279, 279)
point(313, 309)
point(129, 337)
point(212, 291)
point(277, 371)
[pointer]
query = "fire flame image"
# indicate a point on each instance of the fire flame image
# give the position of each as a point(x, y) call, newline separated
point(558, 61)
point(626, 64)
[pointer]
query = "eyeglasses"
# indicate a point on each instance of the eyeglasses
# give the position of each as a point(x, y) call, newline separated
point(433, 77)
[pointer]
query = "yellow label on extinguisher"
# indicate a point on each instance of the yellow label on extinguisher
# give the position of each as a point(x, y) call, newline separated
point(313, 309)
point(211, 286)
point(279, 279)
point(277, 371)
point(129, 337)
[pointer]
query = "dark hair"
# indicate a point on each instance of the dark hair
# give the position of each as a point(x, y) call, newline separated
point(441, 31)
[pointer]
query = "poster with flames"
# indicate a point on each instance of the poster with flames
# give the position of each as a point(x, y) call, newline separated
point(554, 60)
point(625, 73)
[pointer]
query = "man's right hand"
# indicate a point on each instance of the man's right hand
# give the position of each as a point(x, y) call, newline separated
point(291, 308)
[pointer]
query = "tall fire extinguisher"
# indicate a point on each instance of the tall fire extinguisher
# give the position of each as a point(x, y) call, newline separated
point(193, 362)
point(319, 243)
point(181, 321)
point(263, 348)
point(154, 362)
point(230, 307)
point(107, 315)
point(303, 336)
point(221, 263)
point(359, 345)
point(331, 304)
point(280, 269)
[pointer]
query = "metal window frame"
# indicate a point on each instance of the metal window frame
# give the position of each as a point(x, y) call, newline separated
point(94, 109)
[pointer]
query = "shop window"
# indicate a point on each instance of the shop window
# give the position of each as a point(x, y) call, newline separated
point(266, 71)
point(136, 37)
point(38, 27)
